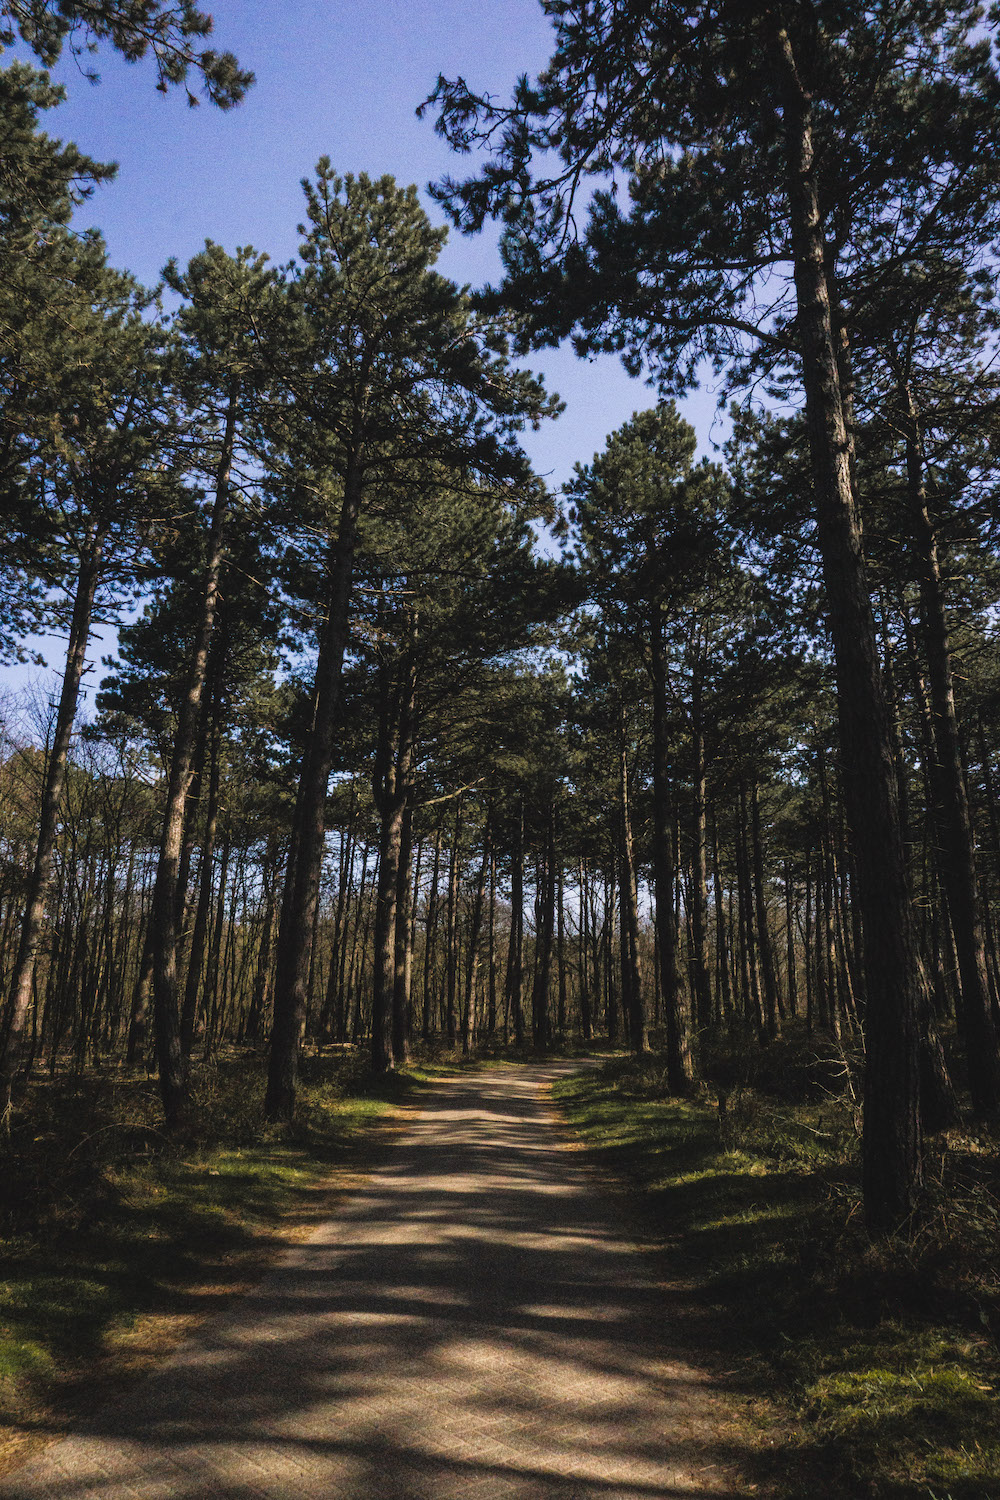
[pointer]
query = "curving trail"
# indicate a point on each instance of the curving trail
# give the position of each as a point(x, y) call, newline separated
point(473, 1323)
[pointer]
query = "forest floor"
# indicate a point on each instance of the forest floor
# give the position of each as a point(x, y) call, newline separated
point(115, 1245)
point(872, 1365)
point(475, 1320)
point(686, 1303)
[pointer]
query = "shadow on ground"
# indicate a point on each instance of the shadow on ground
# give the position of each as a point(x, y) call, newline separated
point(476, 1322)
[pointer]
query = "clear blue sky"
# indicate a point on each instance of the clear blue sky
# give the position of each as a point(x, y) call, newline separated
point(333, 79)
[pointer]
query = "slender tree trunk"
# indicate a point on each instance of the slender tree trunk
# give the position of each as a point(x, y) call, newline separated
point(699, 871)
point(561, 1004)
point(722, 959)
point(791, 967)
point(254, 1028)
point(40, 880)
point(958, 860)
point(165, 913)
point(763, 932)
point(586, 1025)
point(810, 950)
point(491, 938)
point(430, 928)
point(136, 1046)
point(391, 796)
point(515, 960)
point(680, 1066)
point(541, 1026)
point(892, 1150)
point(302, 889)
point(753, 1002)
point(215, 975)
point(451, 977)
point(193, 982)
point(405, 913)
point(607, 934)
point(631, 965)
point(469, 1017)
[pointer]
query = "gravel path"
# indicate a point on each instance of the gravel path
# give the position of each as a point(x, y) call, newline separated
point(473, 1323)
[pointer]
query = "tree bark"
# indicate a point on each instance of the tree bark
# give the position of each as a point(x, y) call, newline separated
point(763, 932)
point(193, 981)
point(515, 959)
point(545, 900)
point(392, 792)
point(699, 867)
point(165, 916)
point(405, 903)
point(430, 928)
point(892, 1147)
point(958, 862)
point(469, 1014)
point(631, 964)
point(302, 889)
point(40, 880)
point(680, 1066)
point(451, 974)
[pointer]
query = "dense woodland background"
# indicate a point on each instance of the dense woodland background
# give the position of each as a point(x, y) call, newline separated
point(399, 747)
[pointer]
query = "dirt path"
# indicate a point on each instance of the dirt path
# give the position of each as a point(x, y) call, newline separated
point(473, 1323)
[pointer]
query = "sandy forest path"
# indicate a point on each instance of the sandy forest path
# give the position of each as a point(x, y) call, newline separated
point(474, 1322)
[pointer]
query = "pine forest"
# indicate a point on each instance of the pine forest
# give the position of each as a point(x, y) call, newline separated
point(374, 759)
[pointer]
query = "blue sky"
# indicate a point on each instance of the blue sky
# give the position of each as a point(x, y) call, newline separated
point(334, 79)
point(342, 80)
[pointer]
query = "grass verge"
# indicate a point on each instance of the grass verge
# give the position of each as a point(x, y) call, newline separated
point(887, 1352)
point(115, 1243)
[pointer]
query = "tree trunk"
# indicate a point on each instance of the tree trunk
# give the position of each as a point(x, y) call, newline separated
point(515, 959)
point(469, 1017)
point(405, 915)
point(561, 1003)
point(958, 860)
point(302, 889)
point(491, 938)
point(544, 924)
point(723, 980)
point(136, 1046)
point(165, 914)
point(753, 1005)
point(451, 976)
point(391, 795)
point(193, 982)
point(892, 1149)
point(631, 965)
point(255, 1018)
point(699, 870)
point(430, 928)
point(40, 880)
point(763, 932)
point(791, 968)
point(680, 1067)
point(584, 975)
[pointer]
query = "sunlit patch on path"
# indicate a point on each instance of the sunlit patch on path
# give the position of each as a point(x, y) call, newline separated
point(473, 1323)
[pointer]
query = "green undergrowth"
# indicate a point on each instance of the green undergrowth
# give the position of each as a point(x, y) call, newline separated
point(887, 1352)
point(115, 1241)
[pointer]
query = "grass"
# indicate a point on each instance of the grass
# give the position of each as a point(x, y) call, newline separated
point(115, 1242)
point(887, 1352)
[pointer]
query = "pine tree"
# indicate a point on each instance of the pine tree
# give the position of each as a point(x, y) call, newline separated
point(392, 369)
point(652, 532)
point(765, 150)
point(136, 28)
point(96, 430)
